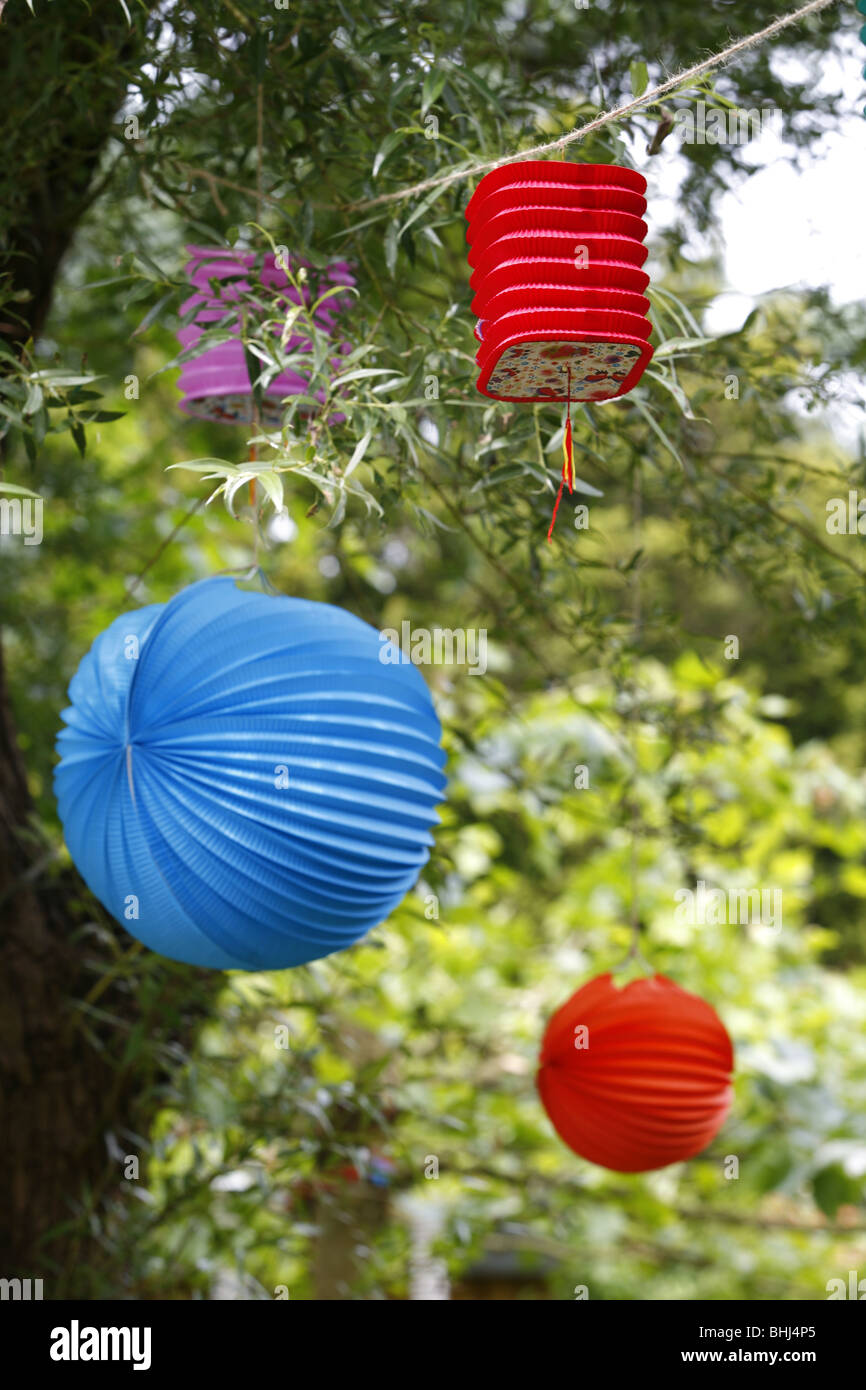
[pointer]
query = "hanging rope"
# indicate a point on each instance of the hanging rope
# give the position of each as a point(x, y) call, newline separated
point(631, 690)
point(649, 98)
point(634, 717)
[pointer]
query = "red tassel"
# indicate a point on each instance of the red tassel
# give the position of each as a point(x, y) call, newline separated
point(567, 461)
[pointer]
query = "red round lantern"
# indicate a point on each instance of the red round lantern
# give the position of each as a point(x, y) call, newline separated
point(535, 229)
point(638, 1077)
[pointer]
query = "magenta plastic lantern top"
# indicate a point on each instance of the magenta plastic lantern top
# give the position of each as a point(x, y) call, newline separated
point(215, 385)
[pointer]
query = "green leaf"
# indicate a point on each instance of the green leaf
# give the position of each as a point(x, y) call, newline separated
point(504, 473)
point(360, 372)
point(432, 87)
point(79, 436)
point(153, 313)
point(426, 202)
point(639, 77)
point(658, 431)
point(676, 391)
point(60, 380)
point(388, 145)
point(358, 453)
point(273, 486)
point(389, 385)
point(392, 239)
point(206, 465)
point(581, 486)
point(17, 490)
point(676, 345)
point(251, 354)
point(152, 266)
point(40, 424)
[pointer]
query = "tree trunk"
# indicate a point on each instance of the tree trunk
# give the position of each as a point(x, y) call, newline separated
point(59, 1094)
point(51, 1082)
point(64, 73)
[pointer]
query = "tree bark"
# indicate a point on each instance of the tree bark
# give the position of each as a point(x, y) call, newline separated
point(64, 72)
point(62, 1089)
point(50, 1085)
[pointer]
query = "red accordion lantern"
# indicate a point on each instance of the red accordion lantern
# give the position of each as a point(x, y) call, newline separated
point(556, 252)
point(636, 1078)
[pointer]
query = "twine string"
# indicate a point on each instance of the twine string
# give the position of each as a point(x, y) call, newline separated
point(615, 113)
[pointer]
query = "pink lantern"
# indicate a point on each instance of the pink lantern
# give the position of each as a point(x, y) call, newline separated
point(216, 384)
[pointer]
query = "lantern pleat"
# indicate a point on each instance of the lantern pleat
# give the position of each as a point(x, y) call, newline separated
point(651, 1087)
point(575, 176)
point(554, 217)
point(167, 787)
point(539, 242)
point(564, 297)
point(529, 271)
point(533, 192)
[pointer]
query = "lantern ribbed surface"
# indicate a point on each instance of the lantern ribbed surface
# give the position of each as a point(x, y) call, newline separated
point(638, 1077)
point(215, 383)
point(244, 782)
point(535, 226)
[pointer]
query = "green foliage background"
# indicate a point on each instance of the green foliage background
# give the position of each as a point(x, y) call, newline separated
point(606, 650)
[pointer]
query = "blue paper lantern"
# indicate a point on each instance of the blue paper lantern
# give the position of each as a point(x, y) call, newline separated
point(248, 782)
